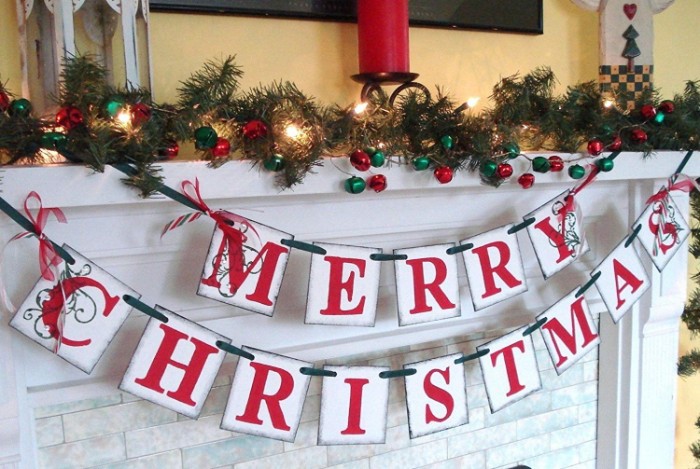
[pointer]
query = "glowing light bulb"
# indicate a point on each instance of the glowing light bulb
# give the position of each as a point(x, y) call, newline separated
point(361, 107)
point(124, 117)
point(292, 131)
point(608, 103)
point(473, 101)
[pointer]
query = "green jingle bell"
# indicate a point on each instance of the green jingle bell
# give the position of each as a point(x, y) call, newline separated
point(54, 141)
point(512, 149)
point(274, 163)
point(576, 171)
point(355, 185)
point(447, 142)
point(541, 164)
point(377, 159)
point(605, 164)
point(20, 107)
point(114, 106)
point(488, 168)
point(421, 163)
point(205, 138)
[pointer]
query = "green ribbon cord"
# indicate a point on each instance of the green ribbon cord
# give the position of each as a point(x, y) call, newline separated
point(521, 226)
point(388, 257)
point(232, 349)
point(398, 373)
point(594, 279)
point(302, 246)
point(24, 222)
point(144, 308)
point(473, 356)
point(684, 162)
point(634, 234)
point(460, 248)
point(162, 188)
point(305, 370)
point(532, 328)
point(614, 155)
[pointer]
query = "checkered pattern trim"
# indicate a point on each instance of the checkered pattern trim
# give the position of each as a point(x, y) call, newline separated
point(636, 79)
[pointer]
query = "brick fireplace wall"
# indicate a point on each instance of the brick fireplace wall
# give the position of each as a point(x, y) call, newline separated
point(553, 428)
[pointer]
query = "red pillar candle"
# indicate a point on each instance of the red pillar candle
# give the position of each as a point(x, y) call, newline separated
point(382, 28)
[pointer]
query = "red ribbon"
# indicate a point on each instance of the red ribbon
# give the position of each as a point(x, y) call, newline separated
point(570, 202)
point(48, 258)
point(224, 220)
point(657, 220)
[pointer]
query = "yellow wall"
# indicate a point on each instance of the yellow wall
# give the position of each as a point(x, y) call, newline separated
point(320, 57)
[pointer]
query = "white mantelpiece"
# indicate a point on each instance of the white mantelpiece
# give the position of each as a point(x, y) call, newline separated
point(110, 224)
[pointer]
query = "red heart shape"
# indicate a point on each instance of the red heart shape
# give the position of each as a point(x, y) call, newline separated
point(630, 10)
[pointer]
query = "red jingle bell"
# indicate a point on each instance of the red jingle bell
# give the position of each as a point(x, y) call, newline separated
point(4, 101)
point(504, 170)
point(254, 130)
point(140, 114)
point(667, 107)
point(69, 117)
point(638, 135)
point(221, 149)
point(443, 174)
point(377, 183)
point(526, 180)
point(648, 112)
point(170, 151)
point(616, 144)
point(556, 164)
point(360, 160)
point(595, 147)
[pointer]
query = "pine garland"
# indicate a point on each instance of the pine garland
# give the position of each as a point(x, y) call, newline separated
point(294, 131)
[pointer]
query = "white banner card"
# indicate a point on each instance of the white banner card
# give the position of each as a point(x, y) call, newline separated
point(494, 267)
point(436, 396)
point(343, 286)
point(267, 396)
point(569, 331)
point(623, 280)
point(557, 235)
point(427, 284)
point(245, 265)
point(77, 315)
point(509, 369)
point(175, 364)
point(354, 406)
point(663, 230)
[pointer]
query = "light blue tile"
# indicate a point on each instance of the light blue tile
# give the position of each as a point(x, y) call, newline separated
point(171, 436)
point(115, 419)
point(536, 403)
point(588, 412)
point(49, 431)
point(169, 460)
point(359, 464)
point(396, 438)
point(86, 453)
point(574, 395)
point(232, 451)
point(307, 435)
point(512, 453)
point(76, 406)
point(561, 458)
point(473, 442)
point(415, 456)
point(470, 461)
point(309, 458)
point(547, 422)
point(573, 435)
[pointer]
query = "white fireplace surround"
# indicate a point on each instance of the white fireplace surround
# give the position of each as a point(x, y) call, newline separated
point(110, 224)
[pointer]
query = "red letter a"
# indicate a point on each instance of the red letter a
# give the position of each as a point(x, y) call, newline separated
point(621, 272)
point(164, 357)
